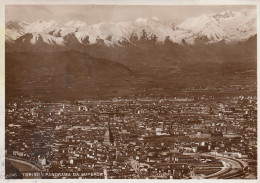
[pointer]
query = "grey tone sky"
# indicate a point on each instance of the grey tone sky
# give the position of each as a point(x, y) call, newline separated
point(94, 14)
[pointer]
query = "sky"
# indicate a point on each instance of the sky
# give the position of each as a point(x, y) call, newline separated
point(98, 13)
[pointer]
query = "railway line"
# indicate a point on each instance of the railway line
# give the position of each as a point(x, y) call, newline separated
point(232, 168)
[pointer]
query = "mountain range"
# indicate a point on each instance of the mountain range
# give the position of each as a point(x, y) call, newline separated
point(58, 60)
point(228, 26)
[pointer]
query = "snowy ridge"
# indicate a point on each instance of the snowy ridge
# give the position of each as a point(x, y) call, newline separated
point(226, 26)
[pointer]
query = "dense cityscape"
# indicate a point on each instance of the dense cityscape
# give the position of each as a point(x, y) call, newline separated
point(131, 91)
point(202, 136)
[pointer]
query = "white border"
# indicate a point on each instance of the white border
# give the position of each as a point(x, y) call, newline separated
point(107, 2)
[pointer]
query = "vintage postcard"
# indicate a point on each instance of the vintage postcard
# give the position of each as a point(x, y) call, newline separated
point(130, 90)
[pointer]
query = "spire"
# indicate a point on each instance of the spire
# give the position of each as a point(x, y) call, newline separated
point(108, 139)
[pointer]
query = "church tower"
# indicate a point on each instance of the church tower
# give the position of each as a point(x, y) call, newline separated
point(108, 139)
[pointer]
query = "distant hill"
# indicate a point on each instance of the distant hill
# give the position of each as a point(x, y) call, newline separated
point(60, 73)
point(72, 75)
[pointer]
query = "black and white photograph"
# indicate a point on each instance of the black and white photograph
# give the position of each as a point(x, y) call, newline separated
point(119, 91)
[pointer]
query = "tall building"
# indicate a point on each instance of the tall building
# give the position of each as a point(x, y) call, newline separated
point(108, 139)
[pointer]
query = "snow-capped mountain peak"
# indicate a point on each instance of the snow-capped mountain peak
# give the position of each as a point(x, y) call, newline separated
point(40, 38)
point(225, 26)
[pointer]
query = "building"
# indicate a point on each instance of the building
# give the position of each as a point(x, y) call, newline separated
point(108, 139)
